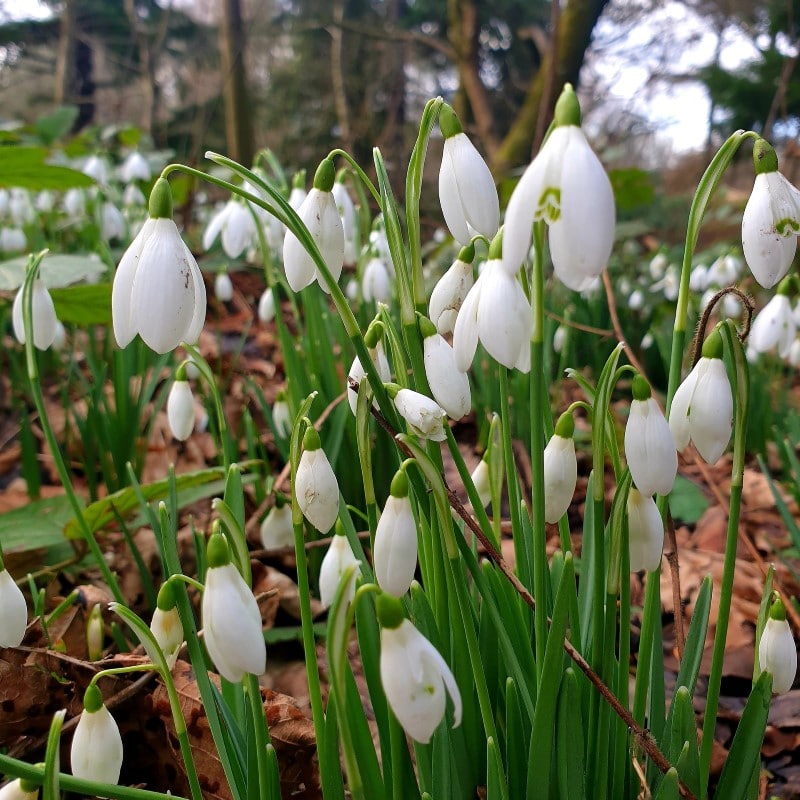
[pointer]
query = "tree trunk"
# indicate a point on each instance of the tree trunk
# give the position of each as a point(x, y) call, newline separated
point(65, 57)
point(238, 124)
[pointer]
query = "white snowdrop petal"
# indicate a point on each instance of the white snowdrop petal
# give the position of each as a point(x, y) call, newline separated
point(645, 532)
point(449, 197)
point(777, 653)
point(560, 477)
point(13, 613)
point(96, 751)
point(448, 296)
point(277, 530)
point(650, 448)
point(503, 315)
point(339, 557)
point(465, 331)
point(449, 385)
point(180, 410)
point(317, 490)
point(395, 550)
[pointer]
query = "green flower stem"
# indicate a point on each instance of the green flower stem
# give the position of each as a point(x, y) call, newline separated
point(253, 693)
point(376, 196)
point(51, 785)
point(105, 673)
point(36, 392)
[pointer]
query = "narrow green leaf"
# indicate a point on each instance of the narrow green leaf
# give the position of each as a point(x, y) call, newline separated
point(36, 525)
point(570, 756)
point(669, 786)
point(494, 785)
point(26, 167)
point(761, 621)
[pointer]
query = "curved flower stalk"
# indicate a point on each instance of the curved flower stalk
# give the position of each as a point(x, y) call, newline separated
point(373, 339)
point(234, 225)
point(395, 548)
point(158, 290)
point(448, 384)
point(777, 651)
point(649, 446)
point(96, 753)
point(448, 295)
point(702, 409)
point(319, 214)
point(232, 626)
point(775, 325)
point(414, 675)
point(560, 469)
point(335, 565)
point(567, 186)
point(13, 611)
point(645, 532)
point(276, 529)
point(424, 416)
point(467, 192)
point(315, 484)
point(771, 219)
point(43, 316)
point(180, 406)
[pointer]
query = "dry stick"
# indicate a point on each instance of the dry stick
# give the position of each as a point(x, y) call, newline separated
point(642, 735)
point(612, 310)
point(674, 569)
point(603, 333)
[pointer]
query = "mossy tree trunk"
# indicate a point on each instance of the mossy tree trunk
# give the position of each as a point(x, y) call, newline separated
point(238, 123)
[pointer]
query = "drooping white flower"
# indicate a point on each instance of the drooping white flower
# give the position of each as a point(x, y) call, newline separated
point(234, 224)
point(12, 239)
point(467, 192)
point(636, 300)
point(344, 205)
point(223, 287)
point(448, 384)
point(277, 530)
point(482, 479)
point(448, 295)
point(135, 168)
point(376, 282)
point(374, 342)
point(232, 626)
point(339, 557)
point(702, 408)
point(13, 611)
point(657, 266)
point(777, 651)
point(43, 316)
point(60, 338)
point(282, 418)
point(698, 278)
point(133, 197)
point(166, 625)
point(567, 186)
point(414, 675)
point(496, 312)
point(97, 168)
point(96, 753)
point(560, 470)
point(319, 214)
point(266, 306)
point(21, 208)
point(395, 549)
point(315, 484)
point(158, 290)
point(424, 416)
point(74, 203)
point(774, 326)
point(649, 446)
point(112, 223)
point(180, 408)
point(645, 532)
point(45, 202)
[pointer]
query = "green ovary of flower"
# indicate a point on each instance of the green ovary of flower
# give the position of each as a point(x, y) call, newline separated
point(549, 205)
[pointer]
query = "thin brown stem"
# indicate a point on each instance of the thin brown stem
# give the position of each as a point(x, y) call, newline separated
point(612, 310)
point(674, 569)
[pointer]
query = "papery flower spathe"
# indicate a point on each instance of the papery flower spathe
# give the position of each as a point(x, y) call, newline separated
point(645, 532)
point(13, 611)
point(567, 186)
point(315, 484)
point(337, 560)
point(560, 469)
point(449, 385)
point(43, 316)
point(771, 219)
point(448, 295)
point(158, 290)
point(180, 407)
point(96, 753)
point(424, 416)
point(649, 446)
point(319, 214)
point(467, 192)
point(414, 675)
point(277, 530)
point(234, 224)
point(777, 651)
point(775, 325)
point(232, 626)
point(395, 549)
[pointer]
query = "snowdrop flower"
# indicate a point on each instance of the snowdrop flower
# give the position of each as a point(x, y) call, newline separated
point(647, 341)
point(266, 306)
point(135, 168)
point(496, 312)
point(337, 560)
point(60, 337)
point(347, 212)
point(567, 186)
point(13, 611)
point(560, 338)
point(449, 385)
point(318, 213)
point(702, 409)
point(657, 266)
point(376, 282)
point(560, 469)
point(232, 627)
point(315, 485)
point(95, 633)
point(649, 447)
point(166, 625)
point(777, 652)
point(414, 675)
point(74, 203)
point(731, 306)
point(395, 549)
point(20, 207)
point(282, 419)
point(132, 196)
point(636, 300)
point(180, 407)
point(481, 477)
point(234, 224)
point(19, 789)
point(96, 753)
point(775, 325)
point(373, 339)
point(5, 202)
point(97, 169)
point(467, 192)
point(645, 532)
point(277, 529)
point(158, 290)
point(771, 219)
point(112, 223)
point(698, 278)
point(223, 287)
point(298, 194)
point(424, 416)
point(669, 284)
point(45, 202)
point(451, 289)
point(793, 356)
point(43, 316)
point(12, 240)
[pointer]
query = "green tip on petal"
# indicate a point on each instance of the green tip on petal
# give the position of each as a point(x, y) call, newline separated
point(218, 553)
point(765, 159)
point(180, 373)
point(280, 500)
point(565, 427)
point(166, 596)
point(280, 395)
point(426, 327)
point(496, 247)
point(568, 109)
point(93, 699)
point(448, 122)
point(777, 611)
point(299, 180)
point(467, 253)
point(338, 529)
point(325, 176)
point(374, 334)
point(160, 205)
point(311, 440)
point(399, 487)
point(712, 346)
point(641, 388)
point(389, 610)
